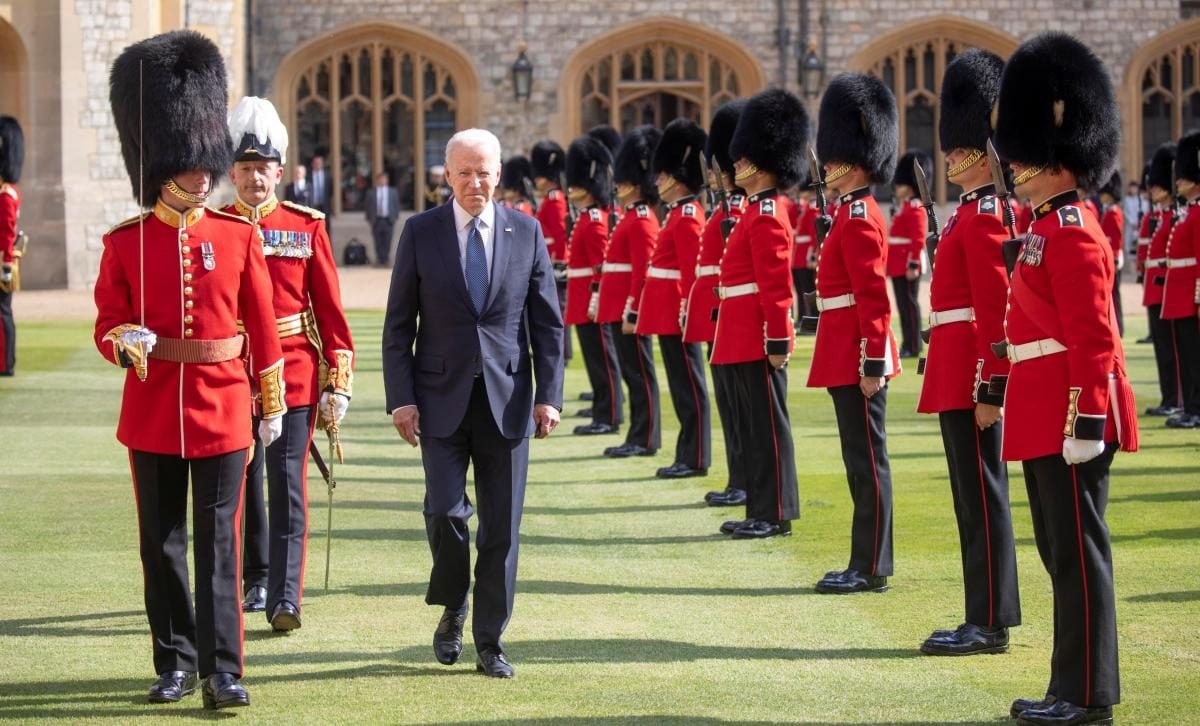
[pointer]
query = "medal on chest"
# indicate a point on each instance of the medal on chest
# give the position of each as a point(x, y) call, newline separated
point(207, 256)
point(1032, 249)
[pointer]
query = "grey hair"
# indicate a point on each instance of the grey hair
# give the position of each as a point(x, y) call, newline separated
point(480, 138)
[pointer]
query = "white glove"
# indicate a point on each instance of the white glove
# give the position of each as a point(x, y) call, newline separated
point(270, 429)
point(1079, 451)
point(593, 306)
point(333, 406)
point(1120, 259)
point(6, 273)
point(145, 336)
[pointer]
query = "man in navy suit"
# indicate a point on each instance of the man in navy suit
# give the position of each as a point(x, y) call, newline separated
point(472, 313)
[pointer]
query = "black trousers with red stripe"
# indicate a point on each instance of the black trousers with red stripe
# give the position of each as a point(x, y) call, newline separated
point(1116, 300)
point(207, 637)
point(684, 366)
point(604, 372)
point(862, 429)
point(723, 396)
point(909, 307)
point(768, 463)
point(804, 280)
point(1166, 356)
point(1187, 347)
point(636, 356)
point(1068, 504)
point(8, 335)
point(979, 485)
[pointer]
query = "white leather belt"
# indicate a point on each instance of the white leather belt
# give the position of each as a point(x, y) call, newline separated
point(706, 270)
point(1034, 349)
point(1143, 242)
point(663, 274)
point(899, 241)
point(579, 272)
point(617, 267)
point(835, 303)
point(1181, 262)
point(1160, 262)
point(737, 290)
point(803, 239)
point(957, 315)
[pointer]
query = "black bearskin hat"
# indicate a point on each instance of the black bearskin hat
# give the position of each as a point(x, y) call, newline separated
point(548, 160)
point(589, 168)
point(606, 135)
point(720, 132)
point(772, 133)
point(1057, 109)
point(970, 88)
point(1113, 186)
point(12, 149)
point(1187, 157)
point(515, 172)
point(632, 165)
point(169, 103)
point(859, 125)
point(1159, 174)
point(678, 153)
point(905, 174)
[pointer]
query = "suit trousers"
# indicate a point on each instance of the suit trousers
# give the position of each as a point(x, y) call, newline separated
point(1166, 357)
point(979, 485)
point(500, 466)
point(8, 335)
point(560, 287)
point(208, 637)
point(684, 367)
point(603, 370)
point(635, 354)
point(1068, 504)
point(382, 230)
point(861, 426)
point(1187, 347)
point(909, 307)
point(768, 463)
point(734, 453)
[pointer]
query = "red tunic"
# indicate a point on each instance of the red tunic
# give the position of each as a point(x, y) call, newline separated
point(805, 223)
point(757, 324)
point(1112, 223)
point(1143, 241)
point(1024, 217)
point(184, 409)
point(1179, 285)
point(589, 240)
point(854, 341)
point(626, 260)
point(1061, 289)
point(1156, 260)
point(10, 212)
point(524, 206)
point(303, 277)
point(702, 302)
point(906, 238)
point(672, 270)
point(553, 216)
point(968, 272)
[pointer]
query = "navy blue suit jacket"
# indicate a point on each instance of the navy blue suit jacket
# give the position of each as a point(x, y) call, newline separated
point(434, 342)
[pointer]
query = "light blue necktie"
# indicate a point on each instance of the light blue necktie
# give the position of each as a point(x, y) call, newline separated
point(477, 272)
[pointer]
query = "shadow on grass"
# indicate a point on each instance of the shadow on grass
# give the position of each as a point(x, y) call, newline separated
point(563, 587)
point(415, 507)
point(1182, 596)
point(74, 626)
point(418, 535)
point(673, 720)
point(1180, 534)
point(1191, 495)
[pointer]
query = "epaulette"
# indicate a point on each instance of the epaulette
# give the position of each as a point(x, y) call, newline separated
point(553, 194)
point(595, 215)
point(1070, 216)
point(314, 213)
point(128, 222)
point(737, 200)
point(643, 212)
point(767, 206)
point(228, 215)
point(987, 205)
point(689, 210)
point(858, 209)
point(8, 189)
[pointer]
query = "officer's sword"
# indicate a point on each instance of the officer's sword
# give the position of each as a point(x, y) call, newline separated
point(335, 454)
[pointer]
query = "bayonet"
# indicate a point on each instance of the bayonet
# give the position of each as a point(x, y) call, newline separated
point(1011, 247)
point(572, 212)
point(927, 201)
point(728, 221)
point(528, 186)
point(821, 226)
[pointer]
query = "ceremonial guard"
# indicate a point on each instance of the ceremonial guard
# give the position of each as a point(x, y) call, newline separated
point(1112, 223)
point(804, 254)
point(1180, 282)
point(1157, 228)
point(623, 271)
point(589, 183)
point(12, 158)
point(855, 354)
point(516, 185)
point(964, 379)
point(171, 287)
point(755, 333)
point(661, 306)
point(1068, 403)
point(547, 162)
point(906, 248)
point(318, 359)
point(700, 325)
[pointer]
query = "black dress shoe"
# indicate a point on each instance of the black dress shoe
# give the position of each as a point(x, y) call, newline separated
point(285, 616)
point(762, 528)
point(595, 428)
point(851, 581)
point(1143, 341)
point(1021, 705)
point(1062, 713)
point(731, 497)
point(1163, 410)
point(969, 639)
point(493, 664)
point(732, 525)
point(624, 450)
point(586, 396)
point(221, 690)
point(583, 413)
point(447, 639)
point(255, 600)
point(1183, 421)
point(172, 686)
point(679, 471)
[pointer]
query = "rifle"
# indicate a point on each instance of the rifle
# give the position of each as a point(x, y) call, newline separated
point(572, 212)
point(931, 240)
point(728, 221)
point(612, 205)
point(1012, 246)
point(821, 227)
point(528, 186)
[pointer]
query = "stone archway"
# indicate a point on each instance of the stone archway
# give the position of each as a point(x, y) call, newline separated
point(1160, 94)
point(13, 72)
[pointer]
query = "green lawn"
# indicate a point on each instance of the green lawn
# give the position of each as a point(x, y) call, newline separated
point(631, 607)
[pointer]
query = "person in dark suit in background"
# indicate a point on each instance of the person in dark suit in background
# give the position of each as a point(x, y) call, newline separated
point(472, 323)
point(382, 205)
point(321, 189)
point(299, 190)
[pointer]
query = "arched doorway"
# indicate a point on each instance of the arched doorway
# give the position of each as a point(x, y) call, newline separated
point(1161, 92)
point(374, 97)
point(911, 61)
point(12, 73)
point(653, 71)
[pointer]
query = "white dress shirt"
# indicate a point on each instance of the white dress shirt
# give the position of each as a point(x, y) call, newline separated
point(381, 200)
point(487, 226)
